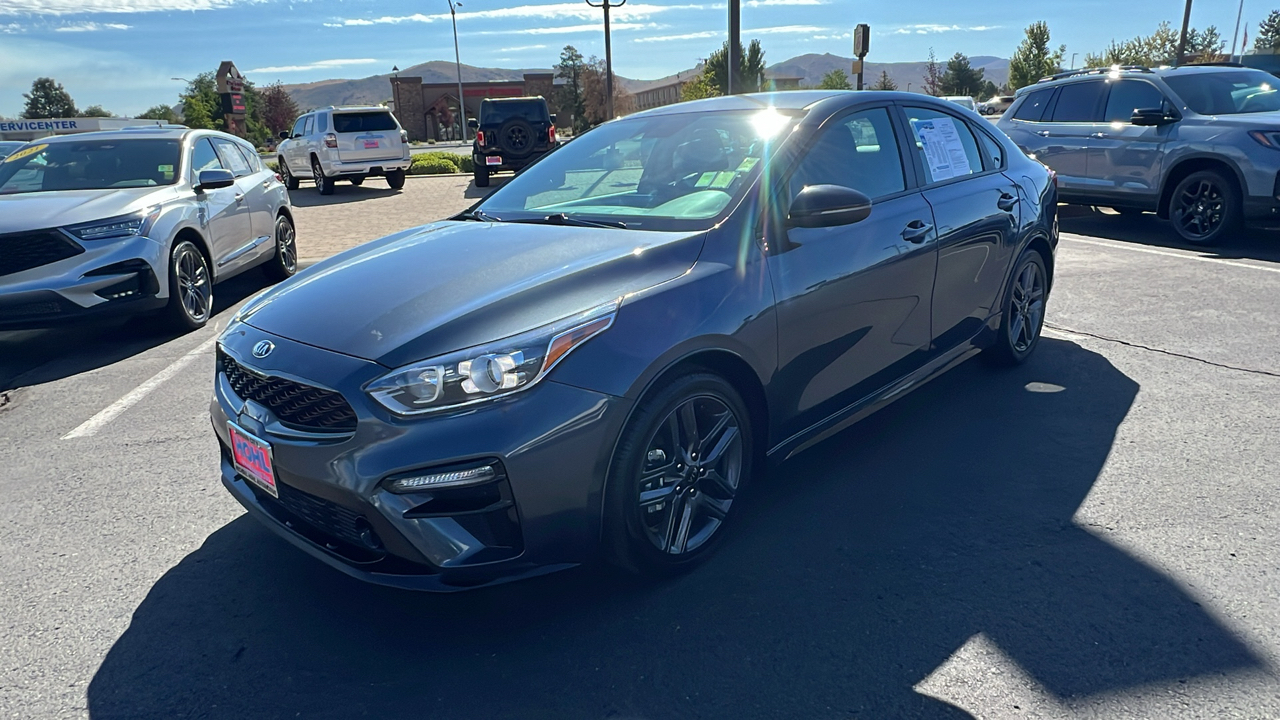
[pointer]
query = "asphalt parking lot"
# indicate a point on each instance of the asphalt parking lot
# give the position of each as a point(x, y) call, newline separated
point(1095, 534)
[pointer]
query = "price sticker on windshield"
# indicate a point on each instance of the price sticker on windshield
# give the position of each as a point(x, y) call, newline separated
point(24, 152)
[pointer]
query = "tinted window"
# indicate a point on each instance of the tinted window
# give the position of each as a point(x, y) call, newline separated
point(232, 157)
point(992, 152)
point(310, 127)
point(203, 157)
point(363, 122)
point(859, 152)
point(1032, 109)
point(496, 113)
point(299, 126)
point(1080, 102)
point(945, 144)
point(1129, 95)
point(1229, 92)
point(251, 157)
point(90, 165)
point(323, 122)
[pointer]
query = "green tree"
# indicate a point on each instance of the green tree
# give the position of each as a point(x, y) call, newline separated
point(749, 74)
point(698, 88)
point(96, 111)
point(1268, 39)
point(884, 82)
point(961, 78)
point(1159, 48)
point(989, 90)
point(571, 69)
point(201, 104)
point(932, 75)
point(48, 99)
point(835, 80)
point(1034, 59)
point(159, 112)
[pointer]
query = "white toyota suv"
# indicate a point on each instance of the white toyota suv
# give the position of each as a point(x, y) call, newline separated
point(344, 143)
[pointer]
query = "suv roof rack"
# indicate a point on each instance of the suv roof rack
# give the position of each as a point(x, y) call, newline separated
point(1215, 63)
point(1096, 71)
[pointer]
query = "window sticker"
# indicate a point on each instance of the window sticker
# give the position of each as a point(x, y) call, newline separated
point(723, 180)
point(25, 152)
point(705, 179)
point(943, 152)
point(747, 164)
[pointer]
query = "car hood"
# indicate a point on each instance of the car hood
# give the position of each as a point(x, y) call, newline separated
point(21, 212)
point(454, 285)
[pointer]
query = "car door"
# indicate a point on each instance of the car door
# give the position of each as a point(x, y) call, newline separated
point(975, 207)
point(1074, 119)
point(853, 301)
point(1125, 160)
point(291, 152)
point(238, 237)
point(226, 220)
point(257, 192)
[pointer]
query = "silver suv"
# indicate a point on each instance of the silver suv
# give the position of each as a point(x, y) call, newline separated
point(1198, 145)
point(135, 220)
point(347, 143)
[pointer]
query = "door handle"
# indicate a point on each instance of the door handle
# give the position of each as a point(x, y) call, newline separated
point(239, 197)
point(1098, 135)
point(1043, 133)
point(1007, 202)
point(916, 231)
point(266, 183)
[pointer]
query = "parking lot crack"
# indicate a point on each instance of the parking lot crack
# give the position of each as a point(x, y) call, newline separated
point(1140, 346)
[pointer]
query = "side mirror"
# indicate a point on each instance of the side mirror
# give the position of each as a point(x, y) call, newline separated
point(553, 118)
point(284, 134)
point(1148, 117)
point(472, 123)
point(214, 179)
point(828, 206)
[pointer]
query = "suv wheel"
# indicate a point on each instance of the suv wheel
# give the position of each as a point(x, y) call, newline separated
point(395, 179)
point(287, 177)
point(481, 174)
point(323, 184)
point(1204, 207)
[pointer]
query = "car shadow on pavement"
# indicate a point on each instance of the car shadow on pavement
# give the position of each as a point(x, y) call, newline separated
point(858, 569)
point(1147, 229)
point(343, 192)
point(34, 357)
point(475, 193)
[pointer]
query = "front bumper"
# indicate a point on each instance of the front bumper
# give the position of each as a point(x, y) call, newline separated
point(110, 277)
point(552, 442)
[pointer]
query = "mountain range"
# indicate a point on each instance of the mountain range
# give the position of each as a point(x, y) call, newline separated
point(809, 68)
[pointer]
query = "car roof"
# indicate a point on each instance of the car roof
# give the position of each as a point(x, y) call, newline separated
point(1070, 76)
point(523, 98)
point(789, 100)
point(353, 108)
point(141, 132)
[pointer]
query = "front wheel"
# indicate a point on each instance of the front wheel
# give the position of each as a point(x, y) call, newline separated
point(323, 184)
point(287, 177)
point(284, 263)
point(1204, 207)
point(190, 287)
point(676, 481)
point(395, 179)
point(1023, 316)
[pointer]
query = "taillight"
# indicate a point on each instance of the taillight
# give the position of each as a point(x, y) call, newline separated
point(551, 134)
point(331, 140)
point(480, 137)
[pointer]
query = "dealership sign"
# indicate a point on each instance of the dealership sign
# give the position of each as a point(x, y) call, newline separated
point(51, 125)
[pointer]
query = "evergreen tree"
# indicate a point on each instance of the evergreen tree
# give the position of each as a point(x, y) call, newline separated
point(961, 78)
point(159, 112)
point(698, 88)
point(1033, 59)
point(884, 82)
point(570, 69)
point(749, 75)
point(48, 99)
point(835, 80)
point(96, 111)
point(1268, 39)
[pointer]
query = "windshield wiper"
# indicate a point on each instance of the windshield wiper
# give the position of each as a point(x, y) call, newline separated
point(563, 219)
point(478, 215)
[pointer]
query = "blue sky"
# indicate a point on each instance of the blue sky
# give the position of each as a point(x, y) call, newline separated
point(122, 53)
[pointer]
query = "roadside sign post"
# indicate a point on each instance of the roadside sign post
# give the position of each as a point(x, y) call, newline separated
point(861, 44)
point(231, 89)
point(733, 60)
point(608, 56)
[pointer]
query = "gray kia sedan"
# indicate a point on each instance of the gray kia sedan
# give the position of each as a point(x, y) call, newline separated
point(135, 220)
point(597, 360)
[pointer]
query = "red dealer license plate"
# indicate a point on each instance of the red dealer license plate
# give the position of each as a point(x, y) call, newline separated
point(493, 160)
point(370, 144)
point(252, 458)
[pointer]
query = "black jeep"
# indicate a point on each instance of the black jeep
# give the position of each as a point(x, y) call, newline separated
point(511, 133)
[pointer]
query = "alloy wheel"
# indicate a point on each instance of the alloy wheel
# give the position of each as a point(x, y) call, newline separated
point(690, 475)
point(1027, 307)
point(288, 246)
point(1200, 208)
point(193, 284)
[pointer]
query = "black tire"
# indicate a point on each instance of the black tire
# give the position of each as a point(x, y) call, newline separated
point(695, 501)
point(481, 175)
point(516, 137)
point(1022, 316)
point(323, 184)
point(284, 262)
point(190, 288)
point(1204, 207)
point(356, 180)
point(287, 177)
point(395, 179)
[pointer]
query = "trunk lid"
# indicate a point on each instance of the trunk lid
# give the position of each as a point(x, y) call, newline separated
point(367, 135)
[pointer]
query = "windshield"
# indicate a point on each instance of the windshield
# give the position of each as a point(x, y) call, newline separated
point(496, 113)
point(667, 172)
point(363, 122)
point(1227, 93)
point(8, 147)
point(90, 165)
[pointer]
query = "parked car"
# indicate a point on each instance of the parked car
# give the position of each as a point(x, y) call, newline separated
point(1197, 145)
point(135, 220)
point(344, 143)
point(510, 134)
point(997, 105)
point(963, 101)
point(7, 147)
point(597, 361)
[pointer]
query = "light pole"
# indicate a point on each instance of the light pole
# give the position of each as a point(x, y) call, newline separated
point(1073, 61)
point(1236, 35)
point(908, 87)
point(457, 61)
point(1182, 39)
point(608, 57)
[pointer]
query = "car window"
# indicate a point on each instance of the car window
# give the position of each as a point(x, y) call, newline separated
point(231, 157)
point(322, 121)
point(1080, 102)
point(1032, 108)
point(992, 151)
point(858, 152)
point(374, 121)
point(310, 126)
point(251, 157)
point(944, 143)
point(1230, 92)
point(90, 164)
point(203, 157)
point(299, 126)
point(1129, 95)
point(496, 113)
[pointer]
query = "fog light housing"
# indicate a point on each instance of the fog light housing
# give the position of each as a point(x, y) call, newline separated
point(427, 480)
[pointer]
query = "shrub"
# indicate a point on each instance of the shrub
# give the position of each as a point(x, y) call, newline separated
point(273, 166)
point(465, 163)
point(431, 141)
point(431, 164)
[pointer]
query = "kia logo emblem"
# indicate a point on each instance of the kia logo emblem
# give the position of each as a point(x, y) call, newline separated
point(263, 348)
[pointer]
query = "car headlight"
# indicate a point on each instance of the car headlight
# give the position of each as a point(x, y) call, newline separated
point(138, 223)
point(487, 371)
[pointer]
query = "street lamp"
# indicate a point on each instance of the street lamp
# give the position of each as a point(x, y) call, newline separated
point(1073, 61)
point(457, 61)
point(908, 87)
point(608, 56)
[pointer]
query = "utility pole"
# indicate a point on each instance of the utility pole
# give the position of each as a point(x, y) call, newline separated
point(608, 57)
point(1182, 39)
point(735, 45)
point(457, 61)
point(1236, 35)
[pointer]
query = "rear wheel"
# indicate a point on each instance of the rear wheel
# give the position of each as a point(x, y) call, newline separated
point(356, 180)
point(1204, 207)
point(481, 175)
point(287, 177)
point(284, 263)
point(395, 179)
point(323, 184)
point(190, 287)
point(1023, 316)
point(683, 463)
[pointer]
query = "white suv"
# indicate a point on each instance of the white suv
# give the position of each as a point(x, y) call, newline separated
point(347, 143)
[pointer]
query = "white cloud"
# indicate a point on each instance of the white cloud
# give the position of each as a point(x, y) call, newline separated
point(522, 48)
point(11, 28)
point(788, 3)
point(318, 65)
point(838, 36)
point(557, 11)
point(568, 29)
point(784, 30)
point(686, 36)
point(931, 29)
point(82, 7)
point(91, 27)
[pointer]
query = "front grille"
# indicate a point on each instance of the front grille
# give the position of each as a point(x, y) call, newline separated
point(24, 251)
point(328, 517)
point(299, 406)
